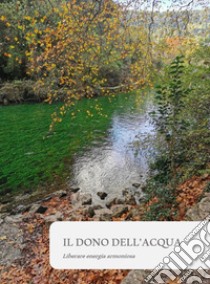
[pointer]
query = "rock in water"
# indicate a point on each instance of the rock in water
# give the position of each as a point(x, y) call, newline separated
point(89, 212)
point(111, 202)
point(86, 199)
point(74, 189)
point(136, 185)
point(102, 195)
point(130, 200)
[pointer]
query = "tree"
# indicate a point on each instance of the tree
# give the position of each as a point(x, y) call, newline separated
point(82, 48)
point(20, 22)
point(79, 55)
point(170, 98)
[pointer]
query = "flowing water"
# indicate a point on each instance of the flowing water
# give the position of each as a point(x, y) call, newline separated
point(122, 158)
point(103, 144)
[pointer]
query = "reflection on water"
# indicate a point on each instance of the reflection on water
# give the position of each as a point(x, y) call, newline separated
point(121, 159)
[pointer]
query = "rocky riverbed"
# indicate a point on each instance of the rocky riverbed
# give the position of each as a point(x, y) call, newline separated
point(63, 205)
point(24, 229)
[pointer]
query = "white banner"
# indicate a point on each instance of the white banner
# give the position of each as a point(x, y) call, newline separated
point(124, 245)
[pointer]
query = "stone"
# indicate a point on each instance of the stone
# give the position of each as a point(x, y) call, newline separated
point(6, 200)
point(74, 189)
point(205, 176)
point(12, 243)
point(63, 194)
point(20, 209)
point(129, 196)
point(97, 207)
point(125, 191)
point(105, 217)
point(3, 215)
point(111, 202)
point(142, 199)
point(192, 214)
point(96, 218)
point(48, 198)
point(136, 185)
point(200, 210)
point(41, 209)
point(144, 188)
point(76, 214)
point(9, 254)
point(119, 210)
point(102, 195)
point(128, 192)
point(103, 214)
point(130, 200)
point(86, 199)
point(89, 212)
point(20, 198)
point(59, 216)
point(103, 211)
point(34, 208)
point(13, 219)
point(204, 206)
point(134, 212)
point(139, 276)
point(119, 201)
point(75, 198)
point(53, 218)
point(136, 277)
point(115, 201)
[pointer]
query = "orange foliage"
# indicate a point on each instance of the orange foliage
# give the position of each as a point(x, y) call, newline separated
point(71, 49)
point(174, 42)
point(34, 267)
point(189, 193)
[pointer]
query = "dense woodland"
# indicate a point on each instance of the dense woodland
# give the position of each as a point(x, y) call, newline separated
point(61, 52)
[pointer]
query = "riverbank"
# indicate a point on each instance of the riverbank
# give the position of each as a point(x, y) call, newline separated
point(24, 232)
point(24, 235)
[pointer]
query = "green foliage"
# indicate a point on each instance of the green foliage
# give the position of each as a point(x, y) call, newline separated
point(170, 105)
point(197, 139)
point(182, 117)
point(112, 73)
point(170, 102)
point(207, 188)
point(158, 187)
point(158, 212)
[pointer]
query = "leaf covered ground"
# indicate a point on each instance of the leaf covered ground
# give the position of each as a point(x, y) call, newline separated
point(33, 266)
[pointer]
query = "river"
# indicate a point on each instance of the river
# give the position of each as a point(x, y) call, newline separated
point(103, 144)
point(121, 158)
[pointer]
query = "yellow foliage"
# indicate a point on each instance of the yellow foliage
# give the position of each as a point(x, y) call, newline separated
point(7, 54)
point(27, 18)
point(3, 18)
